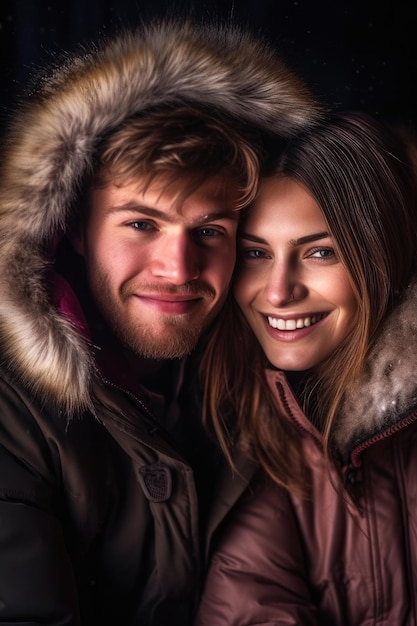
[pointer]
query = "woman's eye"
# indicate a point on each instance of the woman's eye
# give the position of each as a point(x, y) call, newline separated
point(323, 253)
point(254, 254)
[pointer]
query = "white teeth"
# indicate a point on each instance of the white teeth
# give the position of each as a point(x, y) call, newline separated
point(281, 324)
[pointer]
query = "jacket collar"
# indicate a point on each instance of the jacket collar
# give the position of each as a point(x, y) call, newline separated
point(386, 392)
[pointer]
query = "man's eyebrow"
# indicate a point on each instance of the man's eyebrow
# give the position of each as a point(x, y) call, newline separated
point(293, 242)
point(229, 214)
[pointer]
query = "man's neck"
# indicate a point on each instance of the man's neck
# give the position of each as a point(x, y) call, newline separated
point(154, 374)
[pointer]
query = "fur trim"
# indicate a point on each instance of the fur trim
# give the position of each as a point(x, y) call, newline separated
point(387, 389)
point(50, 148)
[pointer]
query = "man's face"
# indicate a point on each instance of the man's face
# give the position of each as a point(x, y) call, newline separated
point(158, 268)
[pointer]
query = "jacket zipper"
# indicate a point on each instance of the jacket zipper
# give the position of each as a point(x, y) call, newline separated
point(300, 427)
point(358, 451)
point(157, 427)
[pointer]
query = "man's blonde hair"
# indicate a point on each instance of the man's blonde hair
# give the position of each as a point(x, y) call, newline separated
point(185, 145)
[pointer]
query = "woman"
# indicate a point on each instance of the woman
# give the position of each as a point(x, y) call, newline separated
point(317, 357)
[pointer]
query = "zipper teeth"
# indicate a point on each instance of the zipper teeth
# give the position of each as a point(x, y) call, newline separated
point(303, 429)
point(380, 436)
point(127, 428)
point(131, 395)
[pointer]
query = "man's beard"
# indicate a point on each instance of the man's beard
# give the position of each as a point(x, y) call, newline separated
point(172, 336)
point(144, 344)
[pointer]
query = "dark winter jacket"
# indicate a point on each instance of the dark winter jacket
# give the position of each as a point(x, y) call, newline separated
point(99, 517)
point(346, 555)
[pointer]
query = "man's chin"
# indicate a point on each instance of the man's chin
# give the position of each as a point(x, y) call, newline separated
point(163, 354)
point(179, 345)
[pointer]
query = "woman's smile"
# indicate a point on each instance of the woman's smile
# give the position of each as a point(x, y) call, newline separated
point(296, 322)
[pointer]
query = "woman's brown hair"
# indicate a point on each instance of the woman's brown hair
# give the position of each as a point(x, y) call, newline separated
point(358, 172)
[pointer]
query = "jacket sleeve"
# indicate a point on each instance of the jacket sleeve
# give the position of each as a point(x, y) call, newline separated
point(36, 578)
point(257, 575)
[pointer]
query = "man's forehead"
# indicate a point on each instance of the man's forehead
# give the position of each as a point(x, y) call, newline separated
point(171, 213)
point(214, 197)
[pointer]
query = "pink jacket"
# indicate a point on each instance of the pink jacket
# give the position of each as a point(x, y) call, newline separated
point(346, 555)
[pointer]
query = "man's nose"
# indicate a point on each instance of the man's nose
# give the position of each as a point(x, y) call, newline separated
point(177, 259)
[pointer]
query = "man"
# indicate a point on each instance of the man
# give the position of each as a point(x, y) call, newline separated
point(121, 185)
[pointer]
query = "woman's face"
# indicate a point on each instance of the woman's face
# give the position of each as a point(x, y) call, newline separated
point(292, 288)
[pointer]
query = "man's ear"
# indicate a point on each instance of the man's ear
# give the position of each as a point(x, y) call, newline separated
point(77, 223)
point(76, 239)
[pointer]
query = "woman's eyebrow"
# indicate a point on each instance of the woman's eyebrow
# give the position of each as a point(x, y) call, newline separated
point(293, 242)
point(250, 237)
point(309, 238)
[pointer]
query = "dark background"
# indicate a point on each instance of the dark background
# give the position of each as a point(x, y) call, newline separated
point(353, 54)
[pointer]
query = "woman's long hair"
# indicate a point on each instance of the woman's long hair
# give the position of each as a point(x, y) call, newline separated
point(358, 172)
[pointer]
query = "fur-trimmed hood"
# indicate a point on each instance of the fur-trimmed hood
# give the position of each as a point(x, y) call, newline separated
point(50, 147)
point(387, 389)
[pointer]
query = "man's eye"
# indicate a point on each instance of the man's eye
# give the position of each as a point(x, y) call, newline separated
point(138, 225)
point(208, 232)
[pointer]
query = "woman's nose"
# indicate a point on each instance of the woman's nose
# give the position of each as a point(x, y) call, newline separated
point(283, 286)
